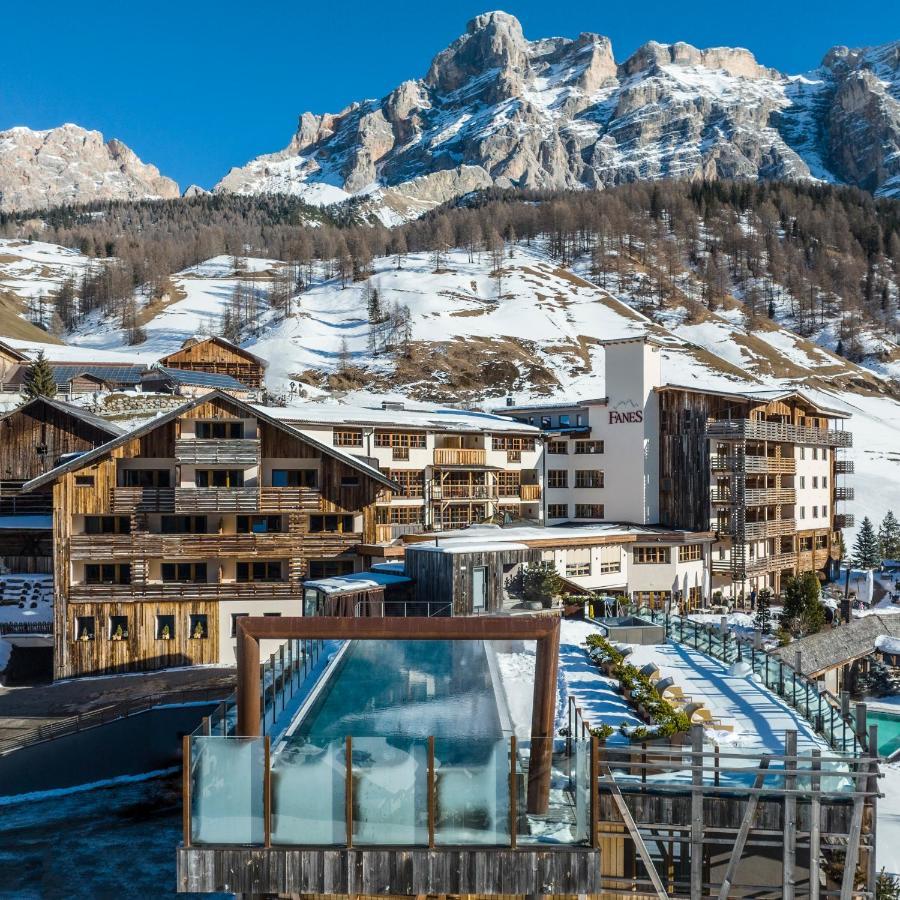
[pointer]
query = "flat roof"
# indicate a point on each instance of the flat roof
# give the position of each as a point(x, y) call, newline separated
point(356, 582)
point(420, 417)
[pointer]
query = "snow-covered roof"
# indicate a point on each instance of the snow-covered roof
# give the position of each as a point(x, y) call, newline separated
point(70, 409)
point(887, 643)
point(425, 417)
point(197, 378)
point(759, 395)
point(356, 582)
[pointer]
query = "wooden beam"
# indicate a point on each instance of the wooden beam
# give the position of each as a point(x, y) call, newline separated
point(744, 831)
point(610, 782)
point(789, 856)
point(853, 838)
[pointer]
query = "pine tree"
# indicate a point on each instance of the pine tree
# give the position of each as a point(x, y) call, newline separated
point(802, 613)
point(865, 549)
point(889, 537)
point(763, 620)
point(39, 381)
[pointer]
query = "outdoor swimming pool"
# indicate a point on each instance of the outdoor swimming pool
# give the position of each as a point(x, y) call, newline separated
point(888, 730)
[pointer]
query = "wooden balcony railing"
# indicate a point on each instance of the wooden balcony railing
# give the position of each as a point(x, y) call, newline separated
point(238, 452)
point(844, 520)
point(529, 492)
point(844, 493)
point(745, 429)
point(180, 591)
point(464, 491)
point(385, 533)
point(182, 546)
point(199, 500)
point(289, 499)
point(514, 456)
point(142, 499)
point(754, 531)
point(844, 467)
point(782, 465)
point(457, 457)
point(769, 496)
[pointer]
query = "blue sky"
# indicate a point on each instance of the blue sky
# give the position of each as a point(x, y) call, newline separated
point(196, 87)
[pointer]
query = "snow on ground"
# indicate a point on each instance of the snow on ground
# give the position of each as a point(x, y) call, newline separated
point(34, 593)
point(887, 850)
point(34, 269)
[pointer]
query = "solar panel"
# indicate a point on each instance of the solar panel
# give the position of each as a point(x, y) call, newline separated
point(204, 379)
point(113, 374)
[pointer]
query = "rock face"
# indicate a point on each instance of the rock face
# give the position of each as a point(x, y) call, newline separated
point(560, 113)
point(40, 169)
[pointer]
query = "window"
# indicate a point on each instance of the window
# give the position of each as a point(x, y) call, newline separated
point(308, 478)
point(348, 437)
point(557, 478)
point(411, 483)
point(557, 510)
point(259, 571)
point(802, 452)
point(234, 621)
point(165, 628)
point(802, 512)
point(690, 553)
point(199, 628)
point(184, 573)
point(258, 524)
point(824, 481)
point(815, 512)
point(219, 478)
point(146, 478)
point(610, 560)
point(400, 439)
point(331, 524)
point(349, 481)
point(578, 562)
point(118, 628)
point(815, 479)
point(183, 524)
point(805, 543)
point(652, 555)
point(815, 451)
point(821, 542)
point(274, 615)
point(546, 422)
point(579, 419)
point(218, 430)
point(329, 568)
point(508, 483)
point(589, 478)
point(107, 525)
point(802, 481)
point(824, 512)
point(84, 628)
point(107, 573)
point(564, 420)
point(589, 511)
point(508, 442)
point(84, 481)
point(558, 447)
point(588, 446)
point(399, 515)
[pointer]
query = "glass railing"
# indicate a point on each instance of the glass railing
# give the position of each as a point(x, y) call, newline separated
point(389, 791)
point(817, 706)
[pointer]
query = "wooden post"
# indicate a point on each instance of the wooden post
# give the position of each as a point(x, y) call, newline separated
point(274, 689)
point(283, 670)
point(696, 811)
point(267, 791)
point(186, 790)
point(205, 726)
point(873, 804)
point(348, 791)
point(431, 816)
point(595, 792)
point(815, 826)
point(542, 720)
point(861, 722)
point(248, 711)
point(513, 793)
point(789, 858)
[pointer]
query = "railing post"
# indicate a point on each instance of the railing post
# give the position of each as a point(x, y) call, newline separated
point(595, 792)
point(569, 735)
point(513, 793)
point(431, 786)
point(789, 857)
point(186, 790)
point(274, 690)
point(348, 791)
point(283, 688)
point(267, 792)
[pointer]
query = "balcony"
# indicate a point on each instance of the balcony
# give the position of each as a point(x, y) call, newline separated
point(182, 546)
point(129, 500)
point(755, 531)
point(844, 520)
point(769, 496)
point(457, 457)
point(237, 452)
point(464, 492)
point(181, 591)
point(745, 429)
point(514, 456)
point(844, 493)
point(529, 493)
point(200, 500)
point(386, 533)
point(844, 467)
point(289, 499)
point(755, 465)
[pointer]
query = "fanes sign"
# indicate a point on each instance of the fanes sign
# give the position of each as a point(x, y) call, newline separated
point(625, 411)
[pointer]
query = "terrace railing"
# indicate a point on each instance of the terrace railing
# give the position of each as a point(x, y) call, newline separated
point(408, 608)
point(753, 430)
point(819, 707)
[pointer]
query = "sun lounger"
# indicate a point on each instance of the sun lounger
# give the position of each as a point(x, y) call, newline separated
point(651, 671)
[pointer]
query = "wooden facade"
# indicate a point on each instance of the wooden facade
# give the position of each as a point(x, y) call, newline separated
point(10, 361)
point(220, 357)
point(171, 552)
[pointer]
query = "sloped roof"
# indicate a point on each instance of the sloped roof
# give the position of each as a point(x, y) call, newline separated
point(757, 395)
point(11, 351)
point(70, 409)
point(833, 647)
point(108, 372)
point(195, 378)
point(152, 424)
point(197, 341)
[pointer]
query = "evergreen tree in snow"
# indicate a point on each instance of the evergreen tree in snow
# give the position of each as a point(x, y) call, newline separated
point(865, 549)
point(889, 537)
point(763, 620)
point(39, 381)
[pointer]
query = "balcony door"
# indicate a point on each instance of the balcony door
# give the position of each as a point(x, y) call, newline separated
point(479, 588)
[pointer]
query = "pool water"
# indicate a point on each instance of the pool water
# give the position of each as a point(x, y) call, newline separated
point(888, 730)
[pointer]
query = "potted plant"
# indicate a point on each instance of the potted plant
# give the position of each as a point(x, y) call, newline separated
point(199, 633)
point(165, 634)
point(119, 633)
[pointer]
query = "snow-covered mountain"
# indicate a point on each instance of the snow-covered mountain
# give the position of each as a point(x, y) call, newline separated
point(497, 109)
point(69, 164)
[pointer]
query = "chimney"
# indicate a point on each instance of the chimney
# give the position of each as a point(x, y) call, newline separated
point(393, 404)
point(509, 400)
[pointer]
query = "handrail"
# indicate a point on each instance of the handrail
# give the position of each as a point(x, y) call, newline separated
point(103, 715)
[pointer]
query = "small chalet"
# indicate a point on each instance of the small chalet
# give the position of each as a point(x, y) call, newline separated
point(219, 357)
